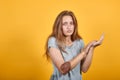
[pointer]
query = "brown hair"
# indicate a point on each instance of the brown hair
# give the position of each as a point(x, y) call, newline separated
point(57, 30)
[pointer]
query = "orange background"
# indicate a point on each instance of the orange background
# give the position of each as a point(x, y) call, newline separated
point(26, 24)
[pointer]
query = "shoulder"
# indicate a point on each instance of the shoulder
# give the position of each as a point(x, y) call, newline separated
point(52, 38)
point(52, 42)
point(80, 42)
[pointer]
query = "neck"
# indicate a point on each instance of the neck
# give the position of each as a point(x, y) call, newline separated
point(68, 40)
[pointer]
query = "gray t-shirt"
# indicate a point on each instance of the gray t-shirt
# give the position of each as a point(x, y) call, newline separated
point(72, 51)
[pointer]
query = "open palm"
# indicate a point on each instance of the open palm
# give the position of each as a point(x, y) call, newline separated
point(99, 42)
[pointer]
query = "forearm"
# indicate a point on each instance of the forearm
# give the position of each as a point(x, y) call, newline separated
point(77, 59)
point(87, 61)
point(67, 66)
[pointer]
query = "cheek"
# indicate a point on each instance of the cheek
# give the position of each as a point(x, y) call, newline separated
point(64, 29)
point(73, 27)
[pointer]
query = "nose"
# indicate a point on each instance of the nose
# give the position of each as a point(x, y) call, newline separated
point(68, 26)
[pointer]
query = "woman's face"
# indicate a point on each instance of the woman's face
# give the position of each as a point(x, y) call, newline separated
point(67, 25)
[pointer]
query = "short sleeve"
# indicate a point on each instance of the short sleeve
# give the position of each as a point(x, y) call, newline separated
point(81, 43)
point(52, 42)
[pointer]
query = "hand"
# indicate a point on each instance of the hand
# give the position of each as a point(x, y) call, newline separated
point(93, 44)
point(99, 42)
point(88, 46)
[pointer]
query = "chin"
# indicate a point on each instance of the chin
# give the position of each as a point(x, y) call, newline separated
point(68, 35)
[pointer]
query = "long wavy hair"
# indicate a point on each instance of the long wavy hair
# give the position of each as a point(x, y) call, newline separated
point(57, 31)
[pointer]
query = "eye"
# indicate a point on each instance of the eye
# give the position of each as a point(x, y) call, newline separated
point(64, 23)
point(71, 23)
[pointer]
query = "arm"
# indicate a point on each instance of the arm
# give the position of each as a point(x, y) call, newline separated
point(64, 67)
point(86, 62)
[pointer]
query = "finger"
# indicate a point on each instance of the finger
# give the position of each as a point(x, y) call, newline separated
point(102, 37)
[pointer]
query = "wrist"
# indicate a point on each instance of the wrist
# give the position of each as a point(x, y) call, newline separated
point(83, 54)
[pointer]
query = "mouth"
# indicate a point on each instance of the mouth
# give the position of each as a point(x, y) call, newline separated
point(69, 31)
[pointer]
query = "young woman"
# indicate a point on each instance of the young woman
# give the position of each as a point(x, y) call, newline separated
point(66, 49)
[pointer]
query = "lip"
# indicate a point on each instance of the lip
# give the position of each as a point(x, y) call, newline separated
point(69, 31)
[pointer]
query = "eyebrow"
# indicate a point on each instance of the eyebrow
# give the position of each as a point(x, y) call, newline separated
point(67, 21)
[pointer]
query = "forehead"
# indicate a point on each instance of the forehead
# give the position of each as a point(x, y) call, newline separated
point(67, 18)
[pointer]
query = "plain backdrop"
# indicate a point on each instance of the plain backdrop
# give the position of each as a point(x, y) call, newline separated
point(26, 24)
